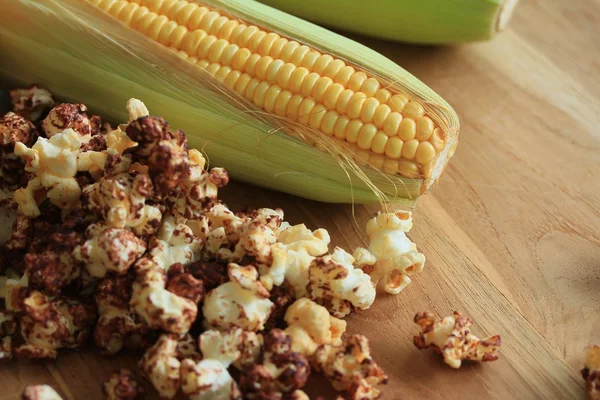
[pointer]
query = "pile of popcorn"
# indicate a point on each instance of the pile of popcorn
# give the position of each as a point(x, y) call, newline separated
point(119, 238)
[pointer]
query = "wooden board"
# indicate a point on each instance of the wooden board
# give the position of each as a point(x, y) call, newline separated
point(511, 234)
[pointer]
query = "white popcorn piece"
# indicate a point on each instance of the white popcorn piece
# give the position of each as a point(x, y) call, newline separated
point(54, 162)
point(391, 256)
point(10, 291)
point(40, 392)
point(31, 102)
point(310, 325)
point(292, 255)
point(162, 367)
point(109, 249)
point(452, 338)
point(207, 380)
point(136, 109)
point(243, 302)
point(234, 346)
point(335, 284)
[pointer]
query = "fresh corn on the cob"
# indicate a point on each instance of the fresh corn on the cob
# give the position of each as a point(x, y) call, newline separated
point(276, 100)
point(424, 21)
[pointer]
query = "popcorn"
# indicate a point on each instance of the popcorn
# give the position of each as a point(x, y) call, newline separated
point(14, 129)
point(54, 162)
point(292, 255)
point(310, 325)
point(31, 102)
point(233, 346)
point(8, 328)
point(184, 284)
point(208, 380)
point(162, 367)
point(121, 201)
point(52, 324)
point(283, 371)
point(169, 166)
point(391, 256)
point(253, 234)
point(40, 392)
point(109, 249)
point(13, 291)
point(243, 302)
point(121, 385)
point(350, 368)
point(452, 338)
point(591, 372)
point(187, 348)
point(67, 116)
point(136, 109)
point(160, 308)
point(334, 283)
point(212, 274)
point(117, 327)
point(199, 189)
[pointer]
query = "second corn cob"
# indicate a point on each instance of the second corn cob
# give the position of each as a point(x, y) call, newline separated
point(375, 115)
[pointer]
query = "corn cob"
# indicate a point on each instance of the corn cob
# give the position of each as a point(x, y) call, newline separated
point(425, 21)
point(378, 133)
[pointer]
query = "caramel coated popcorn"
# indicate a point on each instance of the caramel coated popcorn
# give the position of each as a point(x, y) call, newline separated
point(452, 338)
point(591, 372)
point(121, 385)
point(118, 235)
point(350, 368)
point(391, 256)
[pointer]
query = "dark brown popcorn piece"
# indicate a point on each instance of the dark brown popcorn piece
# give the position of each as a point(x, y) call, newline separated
point(122, 385)
point(281, 372)
point(211, 273)
point(283, 297)
point(184, 285)
point(14, 129)
point(147, 131)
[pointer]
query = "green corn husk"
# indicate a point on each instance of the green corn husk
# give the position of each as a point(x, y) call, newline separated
point(83, 55)
point(424, 21)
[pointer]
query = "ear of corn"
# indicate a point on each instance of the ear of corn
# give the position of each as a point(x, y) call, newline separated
point(424, 21)
point(277, 101)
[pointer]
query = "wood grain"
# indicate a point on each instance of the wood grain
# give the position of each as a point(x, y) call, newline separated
point(511, 234)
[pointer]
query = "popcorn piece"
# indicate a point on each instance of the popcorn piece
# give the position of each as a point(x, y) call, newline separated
point(212, 274)
point(67, 116)
point(452, 338)
point(282, 297)
point(54, 267)
point(13, 291)
point(208, 380)
point(160, 308)
point(292, 255)
point(184, 284)
point(391, 255)
point(40, 392)
point(136, 109)
point(147, 132)
point(54, 162)
point(591, 372)
point(121, 385)
point(310, 326)
point(109, 249)
point(350, 368)
point(253, 234)
point(282, 372)
point(50, 325)
point(31, 102)
point(335, 284)
point(187, 348)
point(121, 201)
point(117, 142)
point(169, 166)
point(233, 346)
point(242, 302)
point(8, 328)
point(199, 189)
point(161, 366)
point(117, 327)
point(14, 129)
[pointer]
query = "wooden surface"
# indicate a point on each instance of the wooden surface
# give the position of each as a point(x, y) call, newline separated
point(511, 234)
